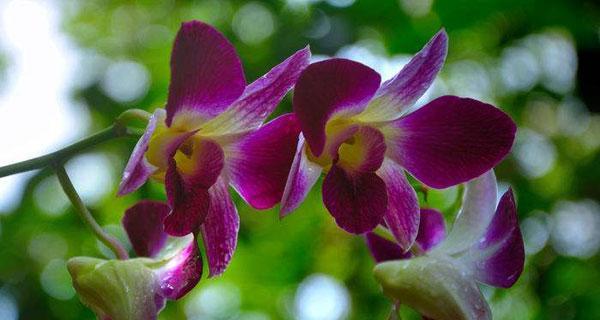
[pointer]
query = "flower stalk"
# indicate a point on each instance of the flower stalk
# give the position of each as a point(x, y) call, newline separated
point(111, 242)
point(117, 130)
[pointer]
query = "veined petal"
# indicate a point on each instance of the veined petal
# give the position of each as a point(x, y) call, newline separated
point(258, 165)
point(220, 229)
point(301, 178)
point(479, 205)
point(206, 73)
point(399, 93)
point(431, 229)
point(260, 98)
point(383, 249)
point(138, 169)
point(144, 226)
point(188, 192)
point(357, 201)
point(498, 258)
point(181, 268)
point(402, 215)
point(434, 286)
point(334, 87)
point(451, 140)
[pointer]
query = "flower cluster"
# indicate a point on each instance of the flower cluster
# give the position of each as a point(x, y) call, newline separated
point(363, 135)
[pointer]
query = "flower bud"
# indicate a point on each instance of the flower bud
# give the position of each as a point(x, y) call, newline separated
point(437, 287)
point(116, 289)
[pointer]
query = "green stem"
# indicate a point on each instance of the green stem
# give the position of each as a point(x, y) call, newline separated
point(59, 157)
point(111, 242)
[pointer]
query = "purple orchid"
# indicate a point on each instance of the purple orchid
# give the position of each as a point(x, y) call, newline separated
point(210, 135)
point(362, 135)
point(485, 245)
point(137, 289)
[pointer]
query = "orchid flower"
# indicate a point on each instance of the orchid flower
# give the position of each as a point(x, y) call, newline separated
point(485, 245)
point(362, 135)
point(137, 289)
point(210, 134)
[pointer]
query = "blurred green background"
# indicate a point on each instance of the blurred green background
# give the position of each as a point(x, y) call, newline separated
point(67, 68)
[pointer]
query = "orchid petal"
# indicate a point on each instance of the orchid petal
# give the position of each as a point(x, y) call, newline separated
point(206, 73)
point(402, 216)
point(220, 229)
point(479, 205)
point(138, 169)
point(357, 201)
point(334, 87)
point(434, 286)
point(260, 98)
point(188, 193)
point(144, 226)
point(431, 229)
point(383, 249)
point(498, 258)
point(260, 162)
point(399, 93)
point(302, 177)
point(451, 140)
point(181, 268)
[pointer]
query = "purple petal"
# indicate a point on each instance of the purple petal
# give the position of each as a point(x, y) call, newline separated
point(182, 271)
point(366, 151)
point(138, 169)
point(431, 229)
point(383, 249)
point(144, 226)
point(220, 229)
point(302, 177)
point(452, 140)
point(357, 201)
point(399, 93)
point(402, 216)
point(261, 97)
point(479, 205)
point(331, 87)
point(259, 164)
point(206, 73)
point(499, 256)
point(188, 192)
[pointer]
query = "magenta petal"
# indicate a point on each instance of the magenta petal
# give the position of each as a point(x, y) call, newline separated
point(383, 249)
point(431, 229)
point(262, 96)
point(144, 226)
point(402, 91)
point(452, 140)
point(302, 177)
point(358, 202)
point(206, 73)
point(329, 87)
point(182, 271)
point(220, 229)
point(138, 170)
point(500, 254)
point(402, 216)
point(189, 203)
point(478, 209)
point(260, 162)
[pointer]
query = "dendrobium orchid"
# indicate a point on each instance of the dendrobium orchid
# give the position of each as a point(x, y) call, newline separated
point(362, 135)
point(485, 245)
point(210, 135)
point(137, 289)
